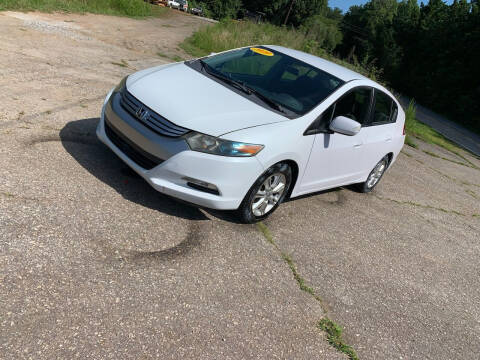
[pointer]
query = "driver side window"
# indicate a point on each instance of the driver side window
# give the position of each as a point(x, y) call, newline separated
point(354, 105)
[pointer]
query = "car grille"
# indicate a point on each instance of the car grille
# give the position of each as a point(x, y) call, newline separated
point(149, 118)
point(133, 152)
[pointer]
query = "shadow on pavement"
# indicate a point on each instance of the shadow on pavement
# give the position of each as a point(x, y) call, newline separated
point(102, 163)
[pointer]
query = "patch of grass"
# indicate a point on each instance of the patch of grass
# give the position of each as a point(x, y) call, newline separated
point(472, 193)
point(412, 203)
point(447, 159)
point(130, 8)
point(266, 233)
point(334, 337)
point(333, 331)
point(296, 275)
point(7, 194)
point(409, 142)
point(48, 112)
point(123, 63)
point(406, 154)
point(425, 133)
point(229, 34)
point(431, 154)
point(175, 58)
point(476, 215)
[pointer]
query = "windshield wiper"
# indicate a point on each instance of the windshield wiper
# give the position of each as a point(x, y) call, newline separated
point(242, 86)
point(239, 85)
point(265, 99)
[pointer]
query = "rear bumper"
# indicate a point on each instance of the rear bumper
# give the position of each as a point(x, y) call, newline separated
point(232, 176)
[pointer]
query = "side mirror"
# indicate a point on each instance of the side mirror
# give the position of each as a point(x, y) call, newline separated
point(345, 126)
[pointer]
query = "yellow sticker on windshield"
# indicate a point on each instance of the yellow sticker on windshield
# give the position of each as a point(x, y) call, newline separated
point(262, 51)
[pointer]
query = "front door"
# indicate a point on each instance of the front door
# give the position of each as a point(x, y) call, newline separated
point(335, 158)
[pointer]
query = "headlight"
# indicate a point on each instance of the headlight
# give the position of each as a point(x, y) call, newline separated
point(213, 145)
point(121, 84)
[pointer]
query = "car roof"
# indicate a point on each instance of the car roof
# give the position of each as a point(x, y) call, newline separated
point(336, 70)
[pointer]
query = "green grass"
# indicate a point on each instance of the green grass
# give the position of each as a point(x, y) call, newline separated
point(409, 141)
point(415, 128)
point(131, 8)
point(333, 331)
point(334, 337)
point(230, 34)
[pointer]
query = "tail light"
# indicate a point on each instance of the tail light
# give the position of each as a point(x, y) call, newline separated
point(404, 129)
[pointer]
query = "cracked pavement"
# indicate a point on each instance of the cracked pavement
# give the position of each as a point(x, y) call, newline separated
point(96, 264)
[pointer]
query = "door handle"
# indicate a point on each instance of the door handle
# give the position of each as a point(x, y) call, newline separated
point(357, 145)
point(388, 138)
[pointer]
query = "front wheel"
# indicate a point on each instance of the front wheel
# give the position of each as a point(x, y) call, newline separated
point(266, 193)
point(374, 176)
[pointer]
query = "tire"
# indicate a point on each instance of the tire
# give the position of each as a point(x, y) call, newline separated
point(374, 177)
point(250, 210)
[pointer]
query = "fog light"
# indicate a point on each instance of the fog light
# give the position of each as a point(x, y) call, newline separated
point(201, 185)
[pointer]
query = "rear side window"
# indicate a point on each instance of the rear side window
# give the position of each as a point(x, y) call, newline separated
point(385, 109)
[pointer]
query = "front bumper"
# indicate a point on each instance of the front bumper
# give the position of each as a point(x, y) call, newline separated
point(232, 176)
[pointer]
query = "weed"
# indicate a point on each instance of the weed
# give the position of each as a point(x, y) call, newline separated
point(296, 275)
point(131, 8)
point(452, 161)
point(409, 142)
point(48, 112)
point(406, 154)
point(412, 203)
point(476, 215)
point(177, 58)
point(121, 64)
point(472, 193)
point(334, 337)
point(84, 105)
point(266, 233)
point(431, 154)
point(333, 331)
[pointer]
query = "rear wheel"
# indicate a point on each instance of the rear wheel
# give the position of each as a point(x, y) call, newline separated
point(374, 177)
point(266, 193)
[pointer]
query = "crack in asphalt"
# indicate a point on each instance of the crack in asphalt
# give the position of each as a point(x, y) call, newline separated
point(411, 203)
point(332, 331)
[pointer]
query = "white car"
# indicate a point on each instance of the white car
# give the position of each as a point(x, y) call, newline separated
point(261, 124)
point(173, 4)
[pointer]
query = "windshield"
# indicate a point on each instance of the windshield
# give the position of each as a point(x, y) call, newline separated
point(286, 81)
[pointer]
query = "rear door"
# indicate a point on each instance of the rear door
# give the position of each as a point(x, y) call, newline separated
point(335, 158)
point(379, 130)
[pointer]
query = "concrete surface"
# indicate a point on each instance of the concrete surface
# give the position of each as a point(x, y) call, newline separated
point(95, 264)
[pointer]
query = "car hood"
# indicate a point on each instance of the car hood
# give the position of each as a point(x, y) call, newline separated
point(192, 100)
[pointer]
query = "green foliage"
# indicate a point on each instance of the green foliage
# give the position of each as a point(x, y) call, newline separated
point(325, 32)
point(334, 337)
point(132, 8)
point(415, 128)
point(430, 52)
point(218, 9)
point(276, 10)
